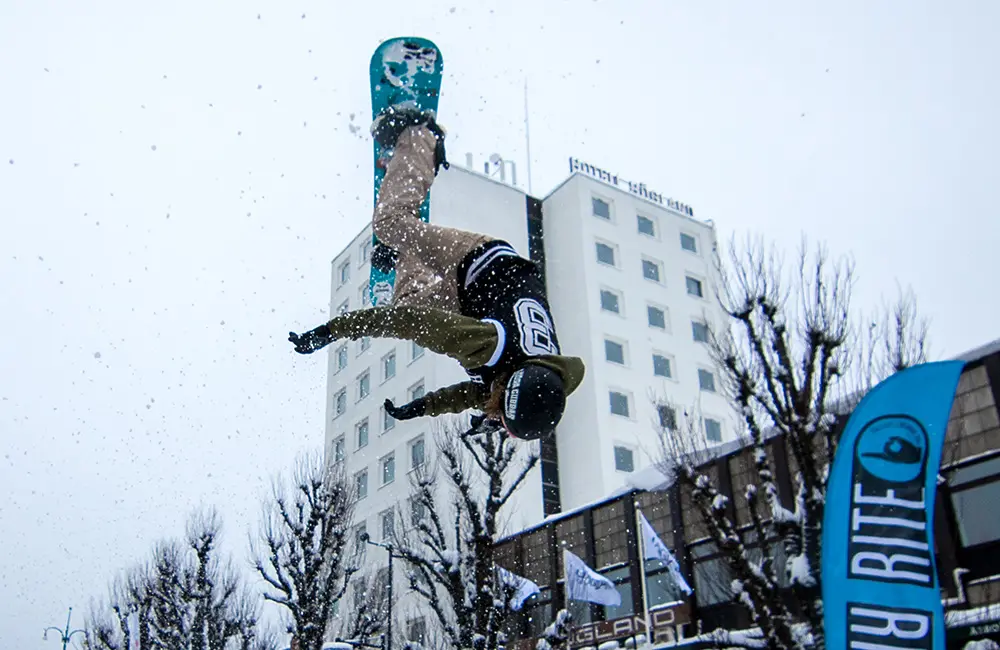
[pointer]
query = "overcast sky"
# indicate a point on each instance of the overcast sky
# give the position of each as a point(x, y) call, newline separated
point(175, 178)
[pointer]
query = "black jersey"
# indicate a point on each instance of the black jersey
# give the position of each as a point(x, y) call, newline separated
point(498, 286)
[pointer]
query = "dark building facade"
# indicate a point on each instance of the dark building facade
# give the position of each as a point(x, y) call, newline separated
point(967, 538)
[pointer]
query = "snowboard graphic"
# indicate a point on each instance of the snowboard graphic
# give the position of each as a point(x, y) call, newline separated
point(404, 71)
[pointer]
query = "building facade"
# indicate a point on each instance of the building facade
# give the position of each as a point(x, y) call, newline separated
point(632, 289)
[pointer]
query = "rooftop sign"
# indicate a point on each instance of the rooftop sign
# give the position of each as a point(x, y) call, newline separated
point(639, 189)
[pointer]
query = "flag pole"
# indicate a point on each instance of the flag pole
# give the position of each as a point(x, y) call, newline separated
point(565, 579)
point(641, 540)
point(565, 593)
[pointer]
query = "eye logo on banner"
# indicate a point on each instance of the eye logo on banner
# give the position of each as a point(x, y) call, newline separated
point(893, 449)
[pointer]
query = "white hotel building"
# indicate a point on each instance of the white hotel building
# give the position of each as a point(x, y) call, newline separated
point(630, 283)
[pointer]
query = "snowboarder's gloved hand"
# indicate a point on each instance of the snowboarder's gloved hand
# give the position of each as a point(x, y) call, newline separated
point(414, 409)
point(313, 340)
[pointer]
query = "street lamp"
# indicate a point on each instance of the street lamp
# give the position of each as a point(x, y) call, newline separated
point(64, 636)
point(366, 538)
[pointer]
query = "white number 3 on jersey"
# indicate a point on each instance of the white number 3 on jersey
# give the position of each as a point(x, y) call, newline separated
point(535, 328)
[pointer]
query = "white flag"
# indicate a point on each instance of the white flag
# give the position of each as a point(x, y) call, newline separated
point(525, 588)
point(583, 583)
point(133, 631)
point(654, 549)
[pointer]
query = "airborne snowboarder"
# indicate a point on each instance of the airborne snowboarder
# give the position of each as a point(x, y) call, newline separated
point(458, 293)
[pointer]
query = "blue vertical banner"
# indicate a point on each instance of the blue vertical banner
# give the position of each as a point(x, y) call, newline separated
point(880, 587)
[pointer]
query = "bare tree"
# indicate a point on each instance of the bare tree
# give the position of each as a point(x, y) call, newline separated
point(365, 618)
point(185, 598)
point(303, 549)
point(794, 359)
point(449, 549)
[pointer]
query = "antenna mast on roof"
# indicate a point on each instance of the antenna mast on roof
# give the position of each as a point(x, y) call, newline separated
point(527, 134)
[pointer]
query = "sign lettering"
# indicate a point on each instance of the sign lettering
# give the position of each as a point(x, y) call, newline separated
point(639, 189)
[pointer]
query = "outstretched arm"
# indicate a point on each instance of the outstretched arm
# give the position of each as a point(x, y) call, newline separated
point(467, 340)
point(450, 399)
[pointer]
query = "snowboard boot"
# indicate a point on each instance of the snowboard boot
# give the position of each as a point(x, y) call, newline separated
point(391, 123)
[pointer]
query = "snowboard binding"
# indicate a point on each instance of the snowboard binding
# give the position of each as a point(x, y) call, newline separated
point(391, 123)
point(384, 258)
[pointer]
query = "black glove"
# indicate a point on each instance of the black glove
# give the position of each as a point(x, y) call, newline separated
point(312, 340)
point(414, 409)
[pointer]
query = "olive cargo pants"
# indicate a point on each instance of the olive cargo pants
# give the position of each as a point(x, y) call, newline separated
point(429, 255)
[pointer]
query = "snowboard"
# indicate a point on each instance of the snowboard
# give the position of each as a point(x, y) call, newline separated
point(404, 71)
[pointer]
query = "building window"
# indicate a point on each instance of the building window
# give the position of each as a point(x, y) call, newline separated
point(341, 357)
point(361, 483)
point(361, 429)
point(388, 422)
point(713, 430)
point(388, 469)
point(417, 453)
point(416, 630)
point(364, 251)
point(363, 296)
point(602, 208)
point(417, 391)
point(667, 416)
point(624, 461)
point(706, 380)
point(338, 449)
point(975, 490)
point(656, 317)
point(651, 270)
point(388, 525)
point(344, 273)
point(693, 287)
point(417, 511)
point(689, 243)
point(365, 343)
point(416, 351)
point(610, 301)
point(360, 594)
point(614, 352)
point(340, 402)
point(699, 331)
point(605, 254)
point(661, 366)
point(364, 384)
point(389, 366)
point(360, 530)
point(344, 307)
point(619, 403)
point(646, 226)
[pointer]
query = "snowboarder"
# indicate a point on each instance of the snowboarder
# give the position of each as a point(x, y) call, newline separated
point(458, 293)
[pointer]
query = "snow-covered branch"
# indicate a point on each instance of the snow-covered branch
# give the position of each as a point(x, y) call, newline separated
point(305, 534)
point(452, 568)
point(186, 597)
point(785, 357)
